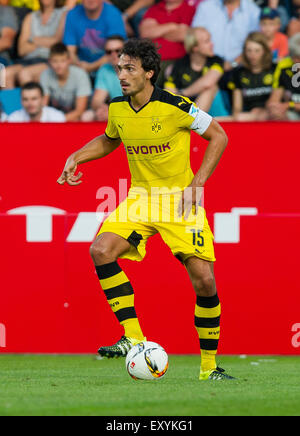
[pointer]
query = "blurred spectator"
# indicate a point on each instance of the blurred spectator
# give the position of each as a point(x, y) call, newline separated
point(132, 12)
point(40, 30)
point(270, 25)
point(107, 85)
point(252, 82)
point(34, 109)
point(34, 5)
point(167, 23)
point(283, 7)
point(194, 2)
point(229, 23)
point(284, 103)
point(294, 25)
point(197, 74)
point(66, 87)
point(87, 28)
point(8, 33)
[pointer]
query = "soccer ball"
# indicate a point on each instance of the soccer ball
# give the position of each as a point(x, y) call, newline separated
point(147, 361)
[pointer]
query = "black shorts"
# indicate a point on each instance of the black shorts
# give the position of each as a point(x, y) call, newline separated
point(30, 62)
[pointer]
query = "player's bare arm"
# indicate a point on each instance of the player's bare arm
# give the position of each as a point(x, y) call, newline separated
point(96, 149)
point(218, 141)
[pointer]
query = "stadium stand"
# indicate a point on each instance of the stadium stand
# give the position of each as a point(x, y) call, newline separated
point(40, 29)
point(167, 23)
point(28, 30)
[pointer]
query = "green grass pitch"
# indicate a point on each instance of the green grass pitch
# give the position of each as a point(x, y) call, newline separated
point(81, 385)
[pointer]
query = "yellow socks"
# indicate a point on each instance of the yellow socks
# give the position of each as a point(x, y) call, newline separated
point(207, 323)
point(120, 296)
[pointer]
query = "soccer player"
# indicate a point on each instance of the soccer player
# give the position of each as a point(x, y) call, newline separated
point(155, 127)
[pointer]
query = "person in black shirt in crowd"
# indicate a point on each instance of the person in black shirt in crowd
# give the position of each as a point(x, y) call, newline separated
point(284, 103)
point(197, 74)
point(252, 82)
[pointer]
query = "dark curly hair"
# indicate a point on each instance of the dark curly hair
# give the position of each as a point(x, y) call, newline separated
point(146, 51)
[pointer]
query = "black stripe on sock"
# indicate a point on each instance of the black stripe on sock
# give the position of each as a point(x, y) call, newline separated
point(108, 270)
point(126, 313)
point(208, 302)
point(119, 291)
point(207, 322)
point(209, 344)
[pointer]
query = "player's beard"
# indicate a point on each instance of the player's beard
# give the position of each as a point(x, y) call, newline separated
point(131, 92)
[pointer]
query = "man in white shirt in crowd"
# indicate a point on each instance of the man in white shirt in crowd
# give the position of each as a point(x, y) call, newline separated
point(34, 109)
point(229, 22)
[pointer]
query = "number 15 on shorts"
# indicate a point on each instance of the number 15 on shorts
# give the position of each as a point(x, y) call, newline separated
point(197, 237)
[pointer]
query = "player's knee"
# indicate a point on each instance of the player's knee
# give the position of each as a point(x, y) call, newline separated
point(101, 252)
point(205, 285)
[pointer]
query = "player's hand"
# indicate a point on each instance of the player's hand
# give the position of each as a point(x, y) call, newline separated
point(191, 199)
point(68, 174)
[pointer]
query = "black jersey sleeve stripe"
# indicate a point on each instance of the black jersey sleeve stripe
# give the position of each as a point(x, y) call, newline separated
point(175, 100)
point(119, 99)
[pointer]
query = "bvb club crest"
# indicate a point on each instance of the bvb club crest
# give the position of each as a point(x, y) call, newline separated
point(156, 126)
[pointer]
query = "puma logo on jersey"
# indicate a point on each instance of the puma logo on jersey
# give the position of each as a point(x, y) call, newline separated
point(145, 149)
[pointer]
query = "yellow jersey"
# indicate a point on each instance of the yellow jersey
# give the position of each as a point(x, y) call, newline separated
point(157, 139)
point(34, 5)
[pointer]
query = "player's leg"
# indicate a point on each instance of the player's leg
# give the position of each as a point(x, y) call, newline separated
point(105, 251)
point(207, 315)
point(107, 248)
point(207, 311)
point(192, 244)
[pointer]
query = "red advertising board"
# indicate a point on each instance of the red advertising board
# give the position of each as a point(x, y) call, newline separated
point(51, 301)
